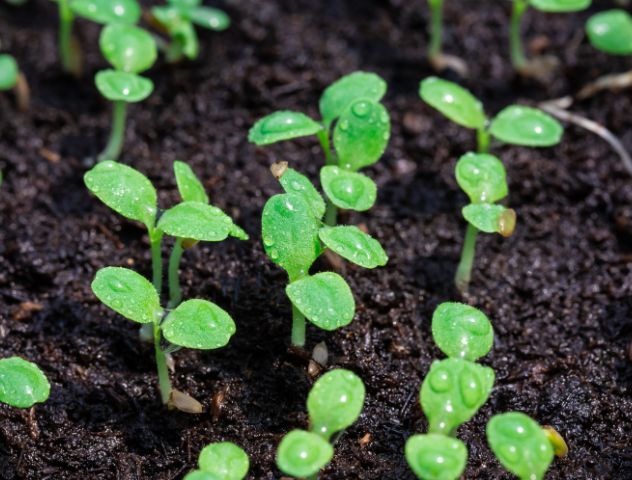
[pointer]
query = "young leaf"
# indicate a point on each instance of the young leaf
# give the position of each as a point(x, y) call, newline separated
point(436, 457)
point(453, 391)
point(361, 134)
point(201, 475)
point(290, 233)
point(611, 32)
point(225, 460)
point(125, 190)
point(22, 383)
point(280, 126)
point(123, 86)
point(462, 331)
point(197, 221)
point(238, 232)
point(325, 299)
point(348, 190)
point(353, 244)
point(127, 293)
point(526, 126)
point(185, 3)
point(210, 18)
point(198, 324)
point(180, 29)
point(294, 182)
point(8, 72)
point(491, 218)
point(128, 48)
point(520, 444)
point(302, 454)
point(560, 5)
point(454, 102)
point(189, 186)
point(339, 95)
point(107, 11)
point(482, 177)
point(335, 402)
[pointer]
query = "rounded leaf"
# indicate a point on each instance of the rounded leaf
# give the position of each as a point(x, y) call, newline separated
point(201, 475)
point(482, 177)
point(560, 5)
point(128, 48)
point(611, 32)
point(107, 11)
point(127, 293)
point(348, 190)
point(436, 457)
point(211, 18)
point(353, 244)
point(225, 460)
point(280, 126)
point(197, 221)
point(491, 218)
point(122, 86)
point(125, 190)
point(362, 134)
point(294, 182)
point(302, 454)
point(462, 331)
point(8, 72)
point(526, 126)
point(520, 445)
point(189, 186)
point(22, 383)
point(453, 101)
point(198, 324)
point(335, 402)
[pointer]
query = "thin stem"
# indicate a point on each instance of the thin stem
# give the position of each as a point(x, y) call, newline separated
point(331, 212)
point(66, 52)
point(117, 134)
point(175, 292)
point(464, 270)
point(161, 364)
point(482, 138)
point(518, 58)
point(298, 327)
point(155, 240)
point(436, 28)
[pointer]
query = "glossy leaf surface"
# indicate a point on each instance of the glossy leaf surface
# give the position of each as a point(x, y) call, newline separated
point(123, 86)
point(611, 32)
point(491, 218)
point(107, 11)
point(302, 454)
point(197, 221)
point(189, 186)
point(526, 126)
point(348, 190)
point(281, 126)
point(225, 460)
point(128, 48)
point(482, 177)
point(297, 183)
point(436, 457)
point(453, 101)
point(22, 383)
point(353, 244)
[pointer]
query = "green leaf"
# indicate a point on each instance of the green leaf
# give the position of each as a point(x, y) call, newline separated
point(302, 454)
point(281, 126)
point(128, 48)
point(339, 95)
point(185, 3)
point(294, 182)
point(125, 190)
point(225, 460)
point(210, 18)
point(127, 293)
point(560, 5)
point(122, 86)
point(189, 186)
point(436, 457)
point(22, 383)
point(8, 72)
point(353, 244)
point(452, 393)
point(290, 233)
point(361, 134)
point(335, 402)
point(197, 221)
point(325, 299)
point(183, 36)
point(201, 475)
point(348, 190)
point(611, 32)
point(520, 444)
point(453, 101)
point(462, 331)
point(526, 126)
point(198, 324)
point(238, 232)
point(491, 218)
point(107, 11)
point(482, 177)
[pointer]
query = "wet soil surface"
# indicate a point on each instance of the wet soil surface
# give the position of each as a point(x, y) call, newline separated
point(558, 291)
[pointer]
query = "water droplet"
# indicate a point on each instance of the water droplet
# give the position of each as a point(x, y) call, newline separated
point(361, 109)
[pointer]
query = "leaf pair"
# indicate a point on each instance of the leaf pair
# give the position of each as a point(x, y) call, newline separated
point(221, 461)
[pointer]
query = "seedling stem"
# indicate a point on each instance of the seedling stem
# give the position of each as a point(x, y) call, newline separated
point(161, 363)
point(464, 270)
point(155, 239)
point(66, 52)
point(483, 138)
point(436, 28)
point(518, 58)
point(175, 292)
point(298, 328)
point(117, 134)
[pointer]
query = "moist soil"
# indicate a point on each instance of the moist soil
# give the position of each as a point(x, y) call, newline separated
point(557, 291)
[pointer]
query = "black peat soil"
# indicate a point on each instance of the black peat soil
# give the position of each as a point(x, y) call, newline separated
point(557, 292)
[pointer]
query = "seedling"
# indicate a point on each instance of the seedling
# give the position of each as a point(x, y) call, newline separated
point(22, 383)
point(294, 237)
point(12, 79)
point(437, 58)
point(611, 32)
point(179, 19)
point(360, 135)
point(516, 124)
point(130, 50)
point(221, 461)
point(334, 404)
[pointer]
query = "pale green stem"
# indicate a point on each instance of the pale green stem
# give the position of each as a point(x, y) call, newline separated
point(66, 52)
point(298, 328)
point(518, 58)
point(483, 138)
point(464, 270)
point(436, 27)
point(117, 134)
point(331, 211)
point(155, 240)
point(161, 364)
point(175, 292)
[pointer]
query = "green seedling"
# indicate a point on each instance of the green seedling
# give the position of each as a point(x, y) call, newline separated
point(179, 19)
point(12, 79)
point(611, 32)
point(482, 177)
point(438, 59)
point(360, 135)
point(436, 457)
point(130, 50)
point(515, 124)
point(22, 383)
point(221, 461)
point(334, 404)
point(294, 237)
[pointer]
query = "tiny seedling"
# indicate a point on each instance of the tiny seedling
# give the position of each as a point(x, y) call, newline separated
point(437, 58)
point(22, 383)
point(334, 404)
point(436, 457)
point(482, 177)
point(221, 461)
point(515, 124)
point(294, 237)
point(179, 19)
point(130, 50)
point(12, 79)
point(360, 136)
point(611, 32)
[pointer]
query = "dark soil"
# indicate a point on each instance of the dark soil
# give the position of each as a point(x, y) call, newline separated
point(558, 291)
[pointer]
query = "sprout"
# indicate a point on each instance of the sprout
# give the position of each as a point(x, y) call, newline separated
point(611, 32)
point(22, 383)
point(516, 125)
point(334, 404)
point(130, 50)
point(294, 237)
point(360, 135)
point(436, 28)
point(221, 461)
point(435, 456)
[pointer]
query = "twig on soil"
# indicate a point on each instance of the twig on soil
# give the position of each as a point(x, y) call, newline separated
point(615, 82)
